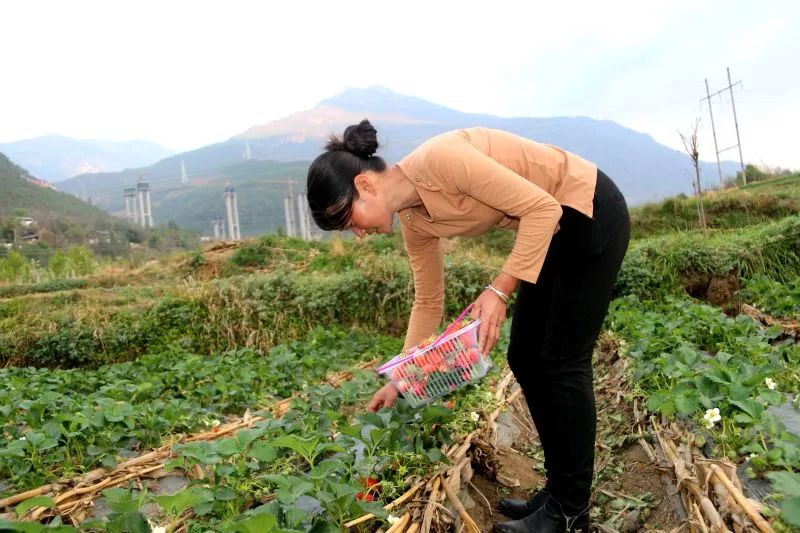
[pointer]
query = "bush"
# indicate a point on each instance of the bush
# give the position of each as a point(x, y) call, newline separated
point(671, 263)
point(54, 285)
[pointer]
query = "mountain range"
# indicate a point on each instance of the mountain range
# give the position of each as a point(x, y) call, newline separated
point(259, 160)
point(55, 158)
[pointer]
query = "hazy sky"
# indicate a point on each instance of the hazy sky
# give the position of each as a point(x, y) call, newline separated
point(185, 74)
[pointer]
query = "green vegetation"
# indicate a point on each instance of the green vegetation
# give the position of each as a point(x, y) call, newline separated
point(691, 359)
point(731, 208)
point(687, 261)
point(780, 300)
point(17, 268)
point(61, 220)
point(54, 285)
point(85, 417)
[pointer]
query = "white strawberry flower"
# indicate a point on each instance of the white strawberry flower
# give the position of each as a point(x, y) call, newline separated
point(474, 416)
point(770, 383)
point(22, 438)
point(159, 529)
point(711, 417)
point(215, 423)
point(392, 519)
point(753, 455)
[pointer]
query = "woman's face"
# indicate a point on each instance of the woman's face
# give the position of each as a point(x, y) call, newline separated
point(370, 213)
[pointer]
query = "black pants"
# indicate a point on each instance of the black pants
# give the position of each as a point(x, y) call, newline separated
point(553, 334)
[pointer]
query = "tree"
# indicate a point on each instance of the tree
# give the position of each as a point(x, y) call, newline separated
point(15, 268)
point(691, 147)
point(59, 264)
point(81, 260)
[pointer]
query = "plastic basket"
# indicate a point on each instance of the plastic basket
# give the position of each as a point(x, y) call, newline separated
point(432, 371)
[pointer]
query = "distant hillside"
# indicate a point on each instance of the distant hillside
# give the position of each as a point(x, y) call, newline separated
point(644, 169)
point(18, 192)
point(55, 158)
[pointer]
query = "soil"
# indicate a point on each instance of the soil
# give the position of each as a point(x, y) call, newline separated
point(624, 472)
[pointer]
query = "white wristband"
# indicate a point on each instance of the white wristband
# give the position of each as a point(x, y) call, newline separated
point(503, 296)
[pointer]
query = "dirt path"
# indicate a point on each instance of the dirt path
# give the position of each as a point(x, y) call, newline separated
point(630, 493)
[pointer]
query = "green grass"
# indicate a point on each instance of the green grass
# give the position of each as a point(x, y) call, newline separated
point(680, 261)
point(732, 208)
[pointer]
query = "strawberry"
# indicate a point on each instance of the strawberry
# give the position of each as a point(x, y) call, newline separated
point(403, 385)
point(371, 484)
point(429, 368)
point(466, 375)
point(365, 496)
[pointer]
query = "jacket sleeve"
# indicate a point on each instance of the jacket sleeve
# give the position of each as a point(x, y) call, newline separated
point(466, 169)
point(427, 267)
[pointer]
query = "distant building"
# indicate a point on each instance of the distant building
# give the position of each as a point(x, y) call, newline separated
point(26, 222)
point(29, 236)
point(99, 237)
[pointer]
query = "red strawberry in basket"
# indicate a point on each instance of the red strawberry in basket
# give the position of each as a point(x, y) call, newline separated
point(466, 375)
point(473, 354)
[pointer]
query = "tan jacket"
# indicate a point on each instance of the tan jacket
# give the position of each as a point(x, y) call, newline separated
point(474, 179)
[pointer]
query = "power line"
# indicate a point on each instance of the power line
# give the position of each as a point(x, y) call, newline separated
point(738, 144)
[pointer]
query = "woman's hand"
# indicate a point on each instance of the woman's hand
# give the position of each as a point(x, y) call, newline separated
point(386, 397)
point(492, 312)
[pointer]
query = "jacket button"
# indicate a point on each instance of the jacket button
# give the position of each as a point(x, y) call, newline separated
point(418, 179)
point(408, 216)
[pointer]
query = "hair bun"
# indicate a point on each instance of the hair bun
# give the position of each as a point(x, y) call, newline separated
point(359, 139)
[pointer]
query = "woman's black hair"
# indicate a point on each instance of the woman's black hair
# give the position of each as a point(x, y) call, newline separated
point(331, 177)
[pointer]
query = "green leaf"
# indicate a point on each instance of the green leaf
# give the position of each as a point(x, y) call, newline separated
point(662, 401)
point(228, 447)
point(257, 523)
point(177, 503)
point(790, 511)
point(304, 447)
point(373, 507)
point(263, 452)
point(128, 523)
point(687, 403)
point(290, 487)
point(739, 392)
point(32, 503)
point(749, 406)
point(245, 437)
point(202, 451)
point(172, 464)
point(773, 397)
point(123, 500)
point(326, 468)
point(787, 483)
point(434, 454)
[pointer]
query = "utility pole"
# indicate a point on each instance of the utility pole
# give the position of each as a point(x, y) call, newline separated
point(736, 123)
point(714, 133)
point(738, 144)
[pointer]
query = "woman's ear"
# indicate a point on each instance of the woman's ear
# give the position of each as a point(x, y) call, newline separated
point(363, 184)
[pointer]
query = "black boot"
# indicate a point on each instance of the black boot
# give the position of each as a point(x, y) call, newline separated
point(549, 518)
point(515, 509)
